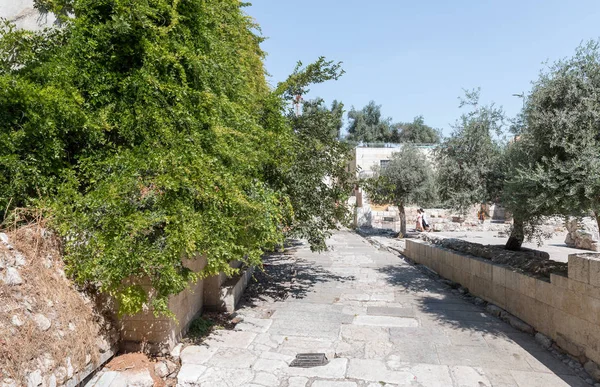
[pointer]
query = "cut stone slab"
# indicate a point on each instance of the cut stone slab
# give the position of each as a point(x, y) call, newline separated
point(257, 325)
point(386, 321)
point(139, 379)
point(232, 358)
point(269, 365)
point(385, 311)
point(266, 379)
point(196, 354)
point(376, 371)
point(411, 352)
point(189, 374)
point(364, 333)
point(223, 377)
point(333, 383)
point(231, 339)
point(336, 369)
point(297, 381)
point(540, 379)
point(469, 376)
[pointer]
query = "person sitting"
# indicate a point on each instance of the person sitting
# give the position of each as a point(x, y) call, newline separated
point(419, 221)
point(424, 220)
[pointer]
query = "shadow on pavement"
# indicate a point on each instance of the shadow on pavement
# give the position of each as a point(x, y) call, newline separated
point(286, 275)
point(438, 307)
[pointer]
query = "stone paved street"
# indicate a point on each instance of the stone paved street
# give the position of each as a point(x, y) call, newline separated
point(379, 320)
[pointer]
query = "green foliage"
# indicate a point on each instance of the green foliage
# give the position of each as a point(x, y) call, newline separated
point(416, 132)
point(559, 170)
point(200, 328)
point(318, 181)
point(367, 125)
point(149, 132)
point(469, 162)
point(407, 179)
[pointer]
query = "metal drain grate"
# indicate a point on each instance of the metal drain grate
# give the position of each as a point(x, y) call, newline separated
point(307, 360)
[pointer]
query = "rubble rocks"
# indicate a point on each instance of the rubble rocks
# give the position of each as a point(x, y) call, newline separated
point(12, 277)
point(42, 321)
point(161, 369)
point(543, 340)
point(592, 369)
point(582, 234)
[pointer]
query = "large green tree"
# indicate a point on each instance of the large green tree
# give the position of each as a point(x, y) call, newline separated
point(407, 179)
point(148, 133)
point(469, 160)
point(416, 132)
point(368, 125)
point(558, 169)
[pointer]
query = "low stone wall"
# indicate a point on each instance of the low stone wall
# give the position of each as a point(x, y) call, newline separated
point(567, 309)
point(160, 334)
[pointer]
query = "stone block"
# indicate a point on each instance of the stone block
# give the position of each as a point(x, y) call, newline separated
point(544, 318)
point(479, 287)
point(595, 272)
point(475, 267)
point(570, 329)
point(512, 280)
point(590, 310)
point(499, 275)
point(543, 292)
point(527, 285)
point(559, 280)
point(592, 291)
point(579, 268)
point(498, 295)
point(486, 270)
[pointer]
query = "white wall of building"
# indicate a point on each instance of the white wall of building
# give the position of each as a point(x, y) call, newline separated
point(365, 159)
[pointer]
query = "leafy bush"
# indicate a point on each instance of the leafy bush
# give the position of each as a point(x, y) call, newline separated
point(148, 132)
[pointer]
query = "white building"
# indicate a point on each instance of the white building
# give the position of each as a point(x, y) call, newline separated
point(365, 158)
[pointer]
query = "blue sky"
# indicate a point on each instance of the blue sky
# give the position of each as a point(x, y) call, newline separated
point(415, 57)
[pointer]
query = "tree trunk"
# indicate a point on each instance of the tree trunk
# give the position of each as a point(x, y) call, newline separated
point(402, 220)
point(597, 216)
point(516, 236)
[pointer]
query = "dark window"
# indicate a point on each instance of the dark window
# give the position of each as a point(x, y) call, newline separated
point(383, 163)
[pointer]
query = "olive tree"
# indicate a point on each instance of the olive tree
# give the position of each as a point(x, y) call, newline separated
point(557, 154)
point(406, 179)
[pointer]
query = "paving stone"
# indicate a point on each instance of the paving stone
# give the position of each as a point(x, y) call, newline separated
point(269, 365)
point(500, 378)
point(333, 383)
point(540, 379)
point(232, 358)
point(232, 339)
point(297, 381)
point(223, 377)
point(197, 354)
point(420, 335)
point(257, 325)
point(389, 325)
point(376, 370)
point(335, 369)
point(364, 333)
point(413, 352)
point(266, 379)
point(481, 357)
point(387, 311)
point(431, 375)
point(464, 376)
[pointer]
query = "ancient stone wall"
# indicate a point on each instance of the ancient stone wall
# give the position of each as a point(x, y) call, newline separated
point(565, 308)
